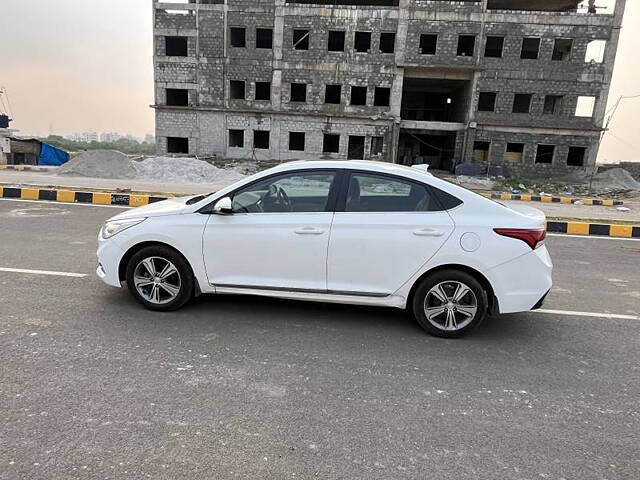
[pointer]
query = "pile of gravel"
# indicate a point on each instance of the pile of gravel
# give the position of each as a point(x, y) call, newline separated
point(99, 164)
point(116, 165)
point(614, 180)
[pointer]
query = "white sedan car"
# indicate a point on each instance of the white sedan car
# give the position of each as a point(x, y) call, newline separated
point(355, 232)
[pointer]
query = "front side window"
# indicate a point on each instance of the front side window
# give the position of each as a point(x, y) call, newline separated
point(381, 193)
point(291, 192)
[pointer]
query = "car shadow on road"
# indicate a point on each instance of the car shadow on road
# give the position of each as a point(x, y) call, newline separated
point(273, 314)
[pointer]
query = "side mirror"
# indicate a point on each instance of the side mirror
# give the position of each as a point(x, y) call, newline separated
point(223, 207)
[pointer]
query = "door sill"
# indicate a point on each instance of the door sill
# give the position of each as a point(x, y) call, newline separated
point(300, 290)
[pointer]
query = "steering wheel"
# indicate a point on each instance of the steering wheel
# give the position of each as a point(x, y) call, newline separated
point(283, 199)
point(275, 195)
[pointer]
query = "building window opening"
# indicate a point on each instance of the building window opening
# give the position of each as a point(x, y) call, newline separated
point(514, 152)
point(585, 106)
point(481, 151)
point(332, 94)
point(331, 143)
point(552, 105)
point(177, 145)
point(296, 141)
point(264, 38)
point(377, 146)
point(487, 102)
point(298, 92)
point(562, 49)
point(177, 97)
point(428, 44)
point(176, 46)
point(336, 41)
point(387, 42)
point(494, 46)
point(261, 139)
point(595, 51)
point(358, 95)
point(544, 154)
point(530, 48)
point(238, 37)
point(466, 45)
point(435, 100)
point(522, 102)
point(263, 91)
point(236, 89)
point(301, 39)
point(362, 42)
point(236, 138)
point(381, 97)
point(356, 148)
point(575, 156)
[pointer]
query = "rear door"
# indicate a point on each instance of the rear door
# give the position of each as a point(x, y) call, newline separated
point(388, 228)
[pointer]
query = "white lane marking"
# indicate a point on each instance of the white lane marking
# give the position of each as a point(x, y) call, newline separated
point(43, 272)
point(598, 237)
point(571, 313)
point(64, 204)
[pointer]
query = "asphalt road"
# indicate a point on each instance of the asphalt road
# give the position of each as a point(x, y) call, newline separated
point(93, 386)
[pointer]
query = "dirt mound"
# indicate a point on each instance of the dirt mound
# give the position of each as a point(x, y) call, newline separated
point(116, 165)
point(615, 179)
point(100, 164)
point(168, 169)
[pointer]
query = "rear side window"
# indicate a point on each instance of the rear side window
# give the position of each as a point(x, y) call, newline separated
point(382, 193)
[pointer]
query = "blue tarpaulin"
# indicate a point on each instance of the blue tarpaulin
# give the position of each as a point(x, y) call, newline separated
point(52, 156)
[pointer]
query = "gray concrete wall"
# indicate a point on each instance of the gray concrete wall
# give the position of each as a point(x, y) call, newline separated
point(212, 63)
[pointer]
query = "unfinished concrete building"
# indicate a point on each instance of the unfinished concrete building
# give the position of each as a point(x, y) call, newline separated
point(520, 83)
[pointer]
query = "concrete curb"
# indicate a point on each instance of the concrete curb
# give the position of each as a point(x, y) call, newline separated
point(137, 200)
point(26, 168)
point(71, 196)
point(594, 229)
point(540, 198)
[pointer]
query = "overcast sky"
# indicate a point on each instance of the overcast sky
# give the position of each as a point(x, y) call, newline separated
point(86, 65)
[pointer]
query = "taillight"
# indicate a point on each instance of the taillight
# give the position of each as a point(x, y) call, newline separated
point(534, 237)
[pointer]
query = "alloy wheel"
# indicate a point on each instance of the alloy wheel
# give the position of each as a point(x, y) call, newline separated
point(450, 305)
point(157, 280)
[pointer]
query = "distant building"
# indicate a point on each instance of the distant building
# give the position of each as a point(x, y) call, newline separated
point(110, 137)
point(521, 83)
point(86, 137)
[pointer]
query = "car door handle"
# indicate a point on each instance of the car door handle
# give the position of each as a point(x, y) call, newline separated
point(309, 231)
point(428, 232)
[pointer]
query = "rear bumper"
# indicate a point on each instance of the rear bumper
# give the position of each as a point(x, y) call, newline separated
point(522, 284)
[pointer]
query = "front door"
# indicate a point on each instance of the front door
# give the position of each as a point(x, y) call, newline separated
point(390, 227)
point(276, 238)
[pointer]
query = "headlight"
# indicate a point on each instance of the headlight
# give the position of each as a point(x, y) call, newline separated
point(113, 227)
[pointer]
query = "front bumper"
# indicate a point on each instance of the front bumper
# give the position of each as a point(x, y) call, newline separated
point(109, 256)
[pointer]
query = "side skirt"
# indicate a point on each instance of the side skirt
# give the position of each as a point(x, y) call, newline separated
point(372, 299)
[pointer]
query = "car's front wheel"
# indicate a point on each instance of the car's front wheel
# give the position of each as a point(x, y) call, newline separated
point(450, 303)
point(160, 278)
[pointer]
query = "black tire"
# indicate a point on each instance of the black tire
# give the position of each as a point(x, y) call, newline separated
point(448, 280)
point(184, 275)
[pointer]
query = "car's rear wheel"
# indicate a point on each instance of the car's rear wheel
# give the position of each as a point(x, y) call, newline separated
point(450, 303)
point(159, 278)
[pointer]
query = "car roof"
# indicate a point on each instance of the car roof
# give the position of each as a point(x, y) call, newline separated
point(368, 165)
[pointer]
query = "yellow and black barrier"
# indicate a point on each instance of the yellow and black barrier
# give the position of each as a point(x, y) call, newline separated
point(551, 199)
point(72, 196)
point(597, 229)
point(138, 200)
